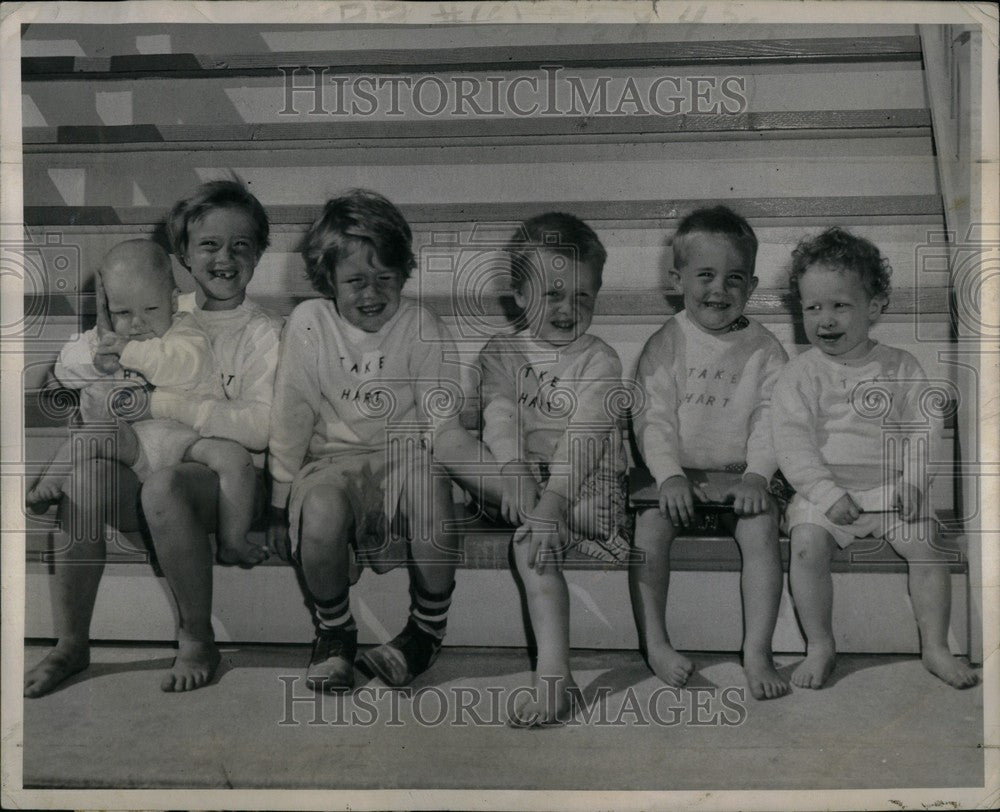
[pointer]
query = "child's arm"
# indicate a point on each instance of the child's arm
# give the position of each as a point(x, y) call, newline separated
point(794, 427)
point(750, 497)
point(591, 430)
point(919, 407)
point(75, 366)
point(502, 435)
point(657, 430)
point(293, 415)
point(245, 419)
point(179, 359)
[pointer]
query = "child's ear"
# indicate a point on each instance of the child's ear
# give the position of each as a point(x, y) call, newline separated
point(875, 307)
point(754, 281)
point(173, 301)
point(675, 278)
point(520, 299)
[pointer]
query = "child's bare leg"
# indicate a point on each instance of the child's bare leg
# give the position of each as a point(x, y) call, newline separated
point(427, 506)
point(552, 690)
point(930, 592)
point(324, 531)
point(648, 579)
point(180, 508)
point(51, 484)
point(760, 584)
point(812, 590)
point(100, 492)
point(234, 467)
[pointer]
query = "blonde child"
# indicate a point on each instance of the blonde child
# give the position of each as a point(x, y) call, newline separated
point(705, 434)
point(834, 451)
point(352, 433)
point(548, 419)
point(219, 233)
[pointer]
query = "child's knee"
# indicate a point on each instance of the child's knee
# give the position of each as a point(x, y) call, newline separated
point(653, 528)
point(325, 517)
point(812, 550)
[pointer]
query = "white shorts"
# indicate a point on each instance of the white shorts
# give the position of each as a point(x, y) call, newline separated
point(877, 525)
point(162, 444)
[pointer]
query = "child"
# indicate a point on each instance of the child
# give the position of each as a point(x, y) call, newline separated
point(707, 376)
point(547, 410)
point(219, 233)
point(353, 413)
point(149, 342)
point(835, 453)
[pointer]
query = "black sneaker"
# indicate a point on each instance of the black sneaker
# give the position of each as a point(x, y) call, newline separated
point(404, 658)
point(331, 666)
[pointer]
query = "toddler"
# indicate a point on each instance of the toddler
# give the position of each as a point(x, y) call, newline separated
point(548, 420)
point(837, 450)
point(141, 339)
point(705, 435)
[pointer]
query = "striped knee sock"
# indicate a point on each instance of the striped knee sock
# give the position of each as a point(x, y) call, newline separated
point(335, 615)
point(429, 610)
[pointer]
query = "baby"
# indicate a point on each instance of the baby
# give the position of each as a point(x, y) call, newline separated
point(839, 456)
point(142, 340)
point(705, 434)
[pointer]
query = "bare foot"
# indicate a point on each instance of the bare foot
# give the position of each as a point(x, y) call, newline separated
point(549, 703)
point(242, 553)
point(47, 491)
point(669, 665)
point(763, 679)
point(55, 668)
point(816, 668)
point(939, 661)
point(193, 667)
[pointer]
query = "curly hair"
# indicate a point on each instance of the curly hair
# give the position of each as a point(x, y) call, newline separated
point(719, 220)
point(230, 193)
point(556, 231)
point(843, 251)
point(358, 215)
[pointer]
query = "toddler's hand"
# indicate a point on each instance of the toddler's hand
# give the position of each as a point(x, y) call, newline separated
point(677, 500)
point(277, 533)
point(750, 496)
point(109, 343)
point(546, 533)
point(519, 492)
point(106, 363)
point(844, 511)
point(908, 498)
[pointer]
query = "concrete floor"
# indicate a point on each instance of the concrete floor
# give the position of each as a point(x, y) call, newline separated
point(882, 722)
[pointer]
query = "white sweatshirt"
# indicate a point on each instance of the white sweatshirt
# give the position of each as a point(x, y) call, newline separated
point(339, 389)
point(245, 350)
point(836, 421)
point(180, 360)
point(705, 398)
point(536, 396)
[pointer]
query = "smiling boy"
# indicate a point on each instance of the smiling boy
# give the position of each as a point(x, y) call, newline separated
point(706, 377)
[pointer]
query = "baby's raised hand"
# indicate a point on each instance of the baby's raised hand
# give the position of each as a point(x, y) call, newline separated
point(106, 363)
point(844, 511)
point(750, 496)
point(519, 492)
point(908, 499)
point(677, 500)
point(545, 533)
point(110, 343)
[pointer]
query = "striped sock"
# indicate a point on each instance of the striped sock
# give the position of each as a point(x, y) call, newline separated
point(335, 615)
point(429, 610)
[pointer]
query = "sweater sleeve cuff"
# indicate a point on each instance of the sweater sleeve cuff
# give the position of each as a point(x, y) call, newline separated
point(662, 470)
point(826, 495)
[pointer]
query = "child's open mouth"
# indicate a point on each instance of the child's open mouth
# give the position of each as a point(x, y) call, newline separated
point(830, 338)
point(565, 326)
point(225, 276)
point(371, 310)
point(716, 305)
